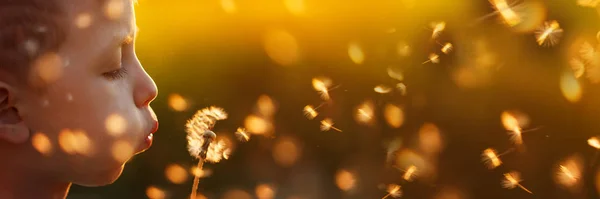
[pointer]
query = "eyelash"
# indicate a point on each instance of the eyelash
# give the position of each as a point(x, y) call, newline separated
point(115, 74)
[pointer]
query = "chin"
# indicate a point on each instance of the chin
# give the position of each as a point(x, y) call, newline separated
point(99, 178)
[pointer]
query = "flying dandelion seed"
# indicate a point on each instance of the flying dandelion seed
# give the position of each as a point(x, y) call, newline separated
point(242, 135)
point(548, 34)
point(588, 3)
point(356, 53)
point(310, 112)
point(514, 126)
point(512, 180)
point(409, 173)
point(365, 113)
point(433, 58)
point(490, 158)
point(394, 191)
point(508, 15)
point(322, 85)
point(395, 74)
point(403, 49)
point(447, 48)
point(437, 27)
point(568, 173)
point(383, 89)
point(578, 67)
point(594, 142)
point(392, 148)
point(200, 137)
point(327, 124)
point(402, 88)
point(588, 52)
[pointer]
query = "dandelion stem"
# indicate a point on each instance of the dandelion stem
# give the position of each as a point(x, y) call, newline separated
point(524, 189)
point(388, 195)
point(196, 180)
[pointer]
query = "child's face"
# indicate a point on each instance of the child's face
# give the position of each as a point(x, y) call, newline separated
point(102, 91)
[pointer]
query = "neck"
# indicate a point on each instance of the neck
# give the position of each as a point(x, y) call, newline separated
point(18, 183)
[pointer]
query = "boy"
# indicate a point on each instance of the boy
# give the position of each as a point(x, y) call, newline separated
point(74, 99)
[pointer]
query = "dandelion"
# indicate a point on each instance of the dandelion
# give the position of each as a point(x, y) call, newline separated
point(409, 173)
point(491, 158)
point(433, 58)
point(394, 191)
point(447, 48)
point(437, 27)
point(200, 137)
point(242, 135)
point(322, 85)
point(327, 124)
point(512, 180)
point(310, 112)
point(548, 34)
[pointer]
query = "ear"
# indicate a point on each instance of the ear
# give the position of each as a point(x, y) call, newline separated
point(12, 127)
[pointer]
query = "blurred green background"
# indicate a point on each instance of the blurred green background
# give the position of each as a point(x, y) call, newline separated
point(230, 52)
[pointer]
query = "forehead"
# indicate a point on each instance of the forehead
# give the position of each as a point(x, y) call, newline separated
point(98, 22)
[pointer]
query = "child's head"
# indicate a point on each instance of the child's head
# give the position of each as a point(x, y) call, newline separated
point(69, 73)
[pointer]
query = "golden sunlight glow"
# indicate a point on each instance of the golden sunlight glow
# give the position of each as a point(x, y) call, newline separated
point(228, 6)
point(74, 142)
point(430, 139)
point(115, 124)
point(570, 87)
point(114, 9)
point(176, 174)
point(258, 125)
point(394, 115)
point(47, 69)
point(266, 106)
point(155, 193)
point(83, 20)
point(42, 143)
point(178, 103)
point(345, 180)
point(265, 191)
point(588, 3)
point(286, 152)
point(122, 150)
point(281, 47)
point(296, 7)
point(356, 53)
point(236, 194)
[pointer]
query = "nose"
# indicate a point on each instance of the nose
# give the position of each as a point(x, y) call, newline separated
point(145, 90)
